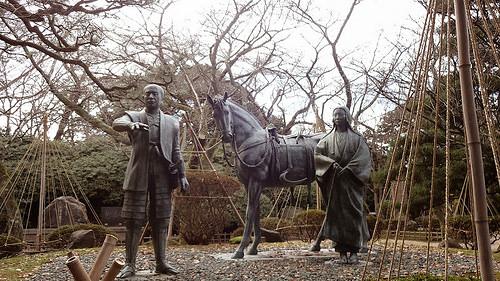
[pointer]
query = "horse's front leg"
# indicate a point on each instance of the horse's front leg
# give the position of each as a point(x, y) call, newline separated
point(256, 229)
point(254, 189)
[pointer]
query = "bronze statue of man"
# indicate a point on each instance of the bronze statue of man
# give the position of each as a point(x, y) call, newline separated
point(343, 165)
point(155, 168)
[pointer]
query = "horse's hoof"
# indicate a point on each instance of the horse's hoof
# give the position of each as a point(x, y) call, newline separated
point(238, 255)
point(315, 248)
point(252, 252)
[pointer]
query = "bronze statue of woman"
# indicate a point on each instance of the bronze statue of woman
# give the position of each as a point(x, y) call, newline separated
point(343, 165)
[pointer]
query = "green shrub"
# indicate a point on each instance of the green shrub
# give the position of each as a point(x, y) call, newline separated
point(240, 199)
point(423, 222)
point(235, 240)
point(494, 225)
point(237, 232)
point(371, 220)
point(460, 228)
point(309, 223)
point(283, 226)
point(59, 238)
point(9, 246)
point(386, 206)
point(273, 223)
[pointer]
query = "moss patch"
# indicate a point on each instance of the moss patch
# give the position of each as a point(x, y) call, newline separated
point(22, 266)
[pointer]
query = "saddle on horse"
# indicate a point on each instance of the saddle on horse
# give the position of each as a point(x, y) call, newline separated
point(292, 160)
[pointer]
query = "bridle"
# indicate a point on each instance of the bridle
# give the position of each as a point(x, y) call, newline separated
point(237, 151)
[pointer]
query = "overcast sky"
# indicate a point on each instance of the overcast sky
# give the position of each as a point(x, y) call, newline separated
point(369, 19)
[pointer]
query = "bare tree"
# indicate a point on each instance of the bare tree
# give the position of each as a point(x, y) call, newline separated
point(303, 11)
point(52, 38)
point(311, 81)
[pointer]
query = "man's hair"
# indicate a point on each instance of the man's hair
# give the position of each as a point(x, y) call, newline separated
point(160, 89)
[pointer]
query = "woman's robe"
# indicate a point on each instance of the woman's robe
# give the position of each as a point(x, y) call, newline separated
point(343, 194)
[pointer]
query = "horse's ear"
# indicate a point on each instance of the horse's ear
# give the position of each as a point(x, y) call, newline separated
point(225, 96)
point(210, 100)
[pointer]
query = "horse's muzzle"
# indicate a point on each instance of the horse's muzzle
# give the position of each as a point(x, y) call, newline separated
point(227, 137)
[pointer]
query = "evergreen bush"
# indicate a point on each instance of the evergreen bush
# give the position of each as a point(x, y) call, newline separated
point(309, 223)
point(460, 228)
point(60, 237)
point(423, 222)
point(371, 220)
point(9, 246)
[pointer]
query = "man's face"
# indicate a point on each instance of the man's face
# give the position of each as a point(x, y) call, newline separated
point(339, 117)
point(152, 97)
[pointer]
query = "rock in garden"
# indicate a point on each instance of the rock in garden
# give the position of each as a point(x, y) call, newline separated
point(82, 239)
point(65, 210)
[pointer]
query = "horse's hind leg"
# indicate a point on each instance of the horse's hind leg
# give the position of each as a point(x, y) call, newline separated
point(253, 190)
point(309, 195)
point(316, 246)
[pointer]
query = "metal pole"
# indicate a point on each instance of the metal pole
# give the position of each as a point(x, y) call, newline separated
point(473, 144)
point(41, 201)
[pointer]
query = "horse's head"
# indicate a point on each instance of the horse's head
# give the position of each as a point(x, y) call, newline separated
point(223, 117)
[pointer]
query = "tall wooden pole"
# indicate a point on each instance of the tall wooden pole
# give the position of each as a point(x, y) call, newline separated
point(41, 201)
point(473, 144)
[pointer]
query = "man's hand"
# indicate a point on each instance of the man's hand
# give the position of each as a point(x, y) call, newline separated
point(336, 166)
point(138, 126)
point(184, 185)
point(344, 171)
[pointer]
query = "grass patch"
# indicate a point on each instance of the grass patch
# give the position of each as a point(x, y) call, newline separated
point(235, 240)
point(496, 256)
point(22, 266)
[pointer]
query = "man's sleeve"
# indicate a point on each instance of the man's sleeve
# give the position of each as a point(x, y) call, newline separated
point(121, 124)
point(176, 151)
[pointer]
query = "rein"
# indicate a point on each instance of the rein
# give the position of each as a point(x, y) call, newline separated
point(243, 162)
point(225, 156)
point(237, 152)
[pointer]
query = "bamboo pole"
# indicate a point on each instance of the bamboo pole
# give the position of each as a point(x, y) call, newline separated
point(76, 269)
point(113, 270)
point(473, 144)
point(41, 198)
point(100, 262)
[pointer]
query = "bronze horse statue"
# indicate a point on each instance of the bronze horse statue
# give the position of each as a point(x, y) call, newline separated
point(264, 159)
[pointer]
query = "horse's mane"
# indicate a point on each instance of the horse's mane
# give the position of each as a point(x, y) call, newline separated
point(233, 104)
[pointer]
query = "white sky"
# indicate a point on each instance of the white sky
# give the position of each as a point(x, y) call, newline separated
point(369, 19)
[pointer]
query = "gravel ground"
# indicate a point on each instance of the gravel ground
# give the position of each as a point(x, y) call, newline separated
point(278, 261)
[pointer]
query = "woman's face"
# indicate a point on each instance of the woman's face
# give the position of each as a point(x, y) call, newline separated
point(339, 117)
